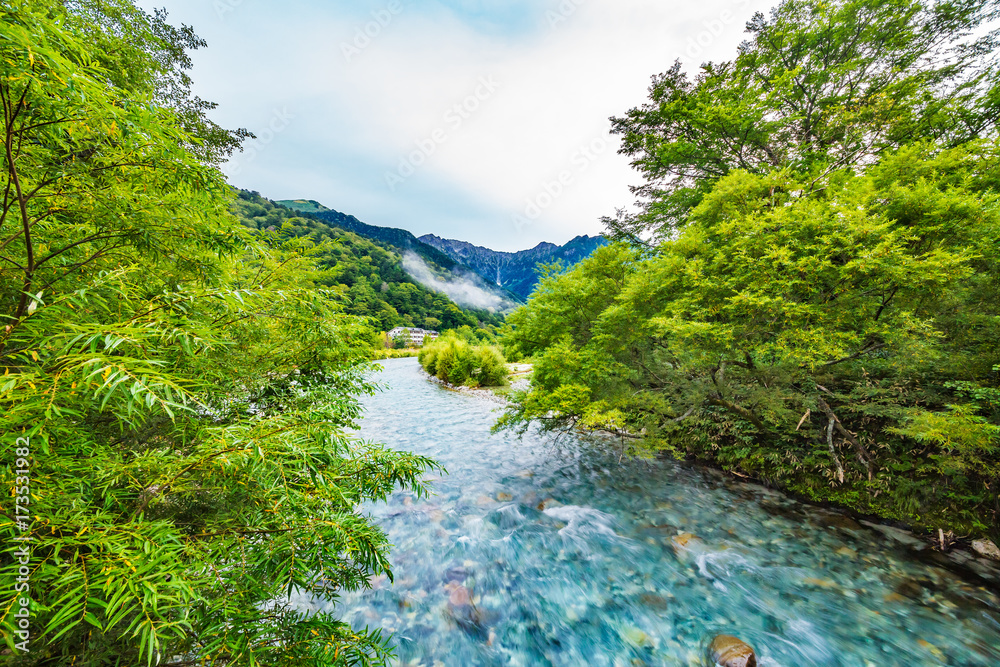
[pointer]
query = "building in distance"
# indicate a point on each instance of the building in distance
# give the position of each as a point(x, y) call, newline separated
point(413, 336)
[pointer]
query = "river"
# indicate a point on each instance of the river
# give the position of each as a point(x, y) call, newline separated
point(549, 551)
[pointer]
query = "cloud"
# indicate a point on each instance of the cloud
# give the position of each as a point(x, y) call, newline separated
point(563, 67)
point(465, 290)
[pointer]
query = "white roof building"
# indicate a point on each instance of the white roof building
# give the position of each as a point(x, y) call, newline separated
point(414, 337)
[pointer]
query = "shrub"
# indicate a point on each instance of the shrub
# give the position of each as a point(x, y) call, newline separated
point(459, 362)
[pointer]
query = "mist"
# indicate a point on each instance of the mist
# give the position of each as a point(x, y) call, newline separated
point(468, 291)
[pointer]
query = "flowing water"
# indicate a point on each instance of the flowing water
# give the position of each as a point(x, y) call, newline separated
point(549, 551)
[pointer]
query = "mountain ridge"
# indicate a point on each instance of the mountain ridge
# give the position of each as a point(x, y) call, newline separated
point(515, 271)
point(426, 264)
point(400, 238)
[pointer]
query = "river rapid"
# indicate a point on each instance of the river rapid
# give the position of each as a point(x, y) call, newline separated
point(549, 551)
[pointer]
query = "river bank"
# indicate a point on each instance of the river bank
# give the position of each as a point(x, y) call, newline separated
point(547, 550)
point(977, 558)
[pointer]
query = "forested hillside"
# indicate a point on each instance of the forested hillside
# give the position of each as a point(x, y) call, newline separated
point(810, 294)
point(367, 277)
point(399, 238)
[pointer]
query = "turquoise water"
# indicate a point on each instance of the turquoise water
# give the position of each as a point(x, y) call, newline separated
point(548, 551)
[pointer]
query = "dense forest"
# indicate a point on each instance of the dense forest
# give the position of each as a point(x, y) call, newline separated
point(809, 294)
point(366, 276)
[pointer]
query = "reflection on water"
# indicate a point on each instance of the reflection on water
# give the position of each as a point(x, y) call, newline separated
point(547, 551)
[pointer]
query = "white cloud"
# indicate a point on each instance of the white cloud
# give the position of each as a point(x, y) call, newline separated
point(464, 290)
point(355, 120)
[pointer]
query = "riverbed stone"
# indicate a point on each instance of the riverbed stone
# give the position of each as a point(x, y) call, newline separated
point(729, 651)
point(897, 534)
point(549, 503)
point(459, 596)
point(835, 520)
point(986, 549)
point(683, 543)
point(912, 588)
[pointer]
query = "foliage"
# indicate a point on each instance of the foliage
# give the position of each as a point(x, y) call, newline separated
point(818, 86)
point(185, 387)
point(837, 338)
point(394, 353)
point(367, 276)
point(456, 361)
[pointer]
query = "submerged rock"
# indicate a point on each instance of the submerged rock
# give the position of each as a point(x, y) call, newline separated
point(462, 610)
point(459, 596)
point(986, 548)
point(932, 649)
point(683, 544)
point(835, 520)
point(731, 652)
point(912, 588)
point(549, 503)
point(637, 637)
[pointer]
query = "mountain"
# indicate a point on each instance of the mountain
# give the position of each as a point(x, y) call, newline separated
point(376, 279)
point(399, 238)
point(515, 271)
point(460, 269)
point(303, 205)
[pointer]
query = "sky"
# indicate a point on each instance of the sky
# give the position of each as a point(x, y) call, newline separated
point(479, 120)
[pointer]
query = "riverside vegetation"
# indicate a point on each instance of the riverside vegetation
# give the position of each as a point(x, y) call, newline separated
point(464, 361)
point(810, 292)
point(186, 384)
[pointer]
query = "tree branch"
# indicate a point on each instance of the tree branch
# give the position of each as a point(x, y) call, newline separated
point(870, 348)
point(863, 456)
point(741, 411)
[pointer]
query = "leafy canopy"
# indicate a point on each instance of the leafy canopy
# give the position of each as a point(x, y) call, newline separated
point(841, 343)
point(818, 86)
point(186, 385)
point(809, 294)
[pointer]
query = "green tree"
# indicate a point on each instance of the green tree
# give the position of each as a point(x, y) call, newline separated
point(837, 341)
point(818, 86)
point(183, 386)
point(809, 294)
